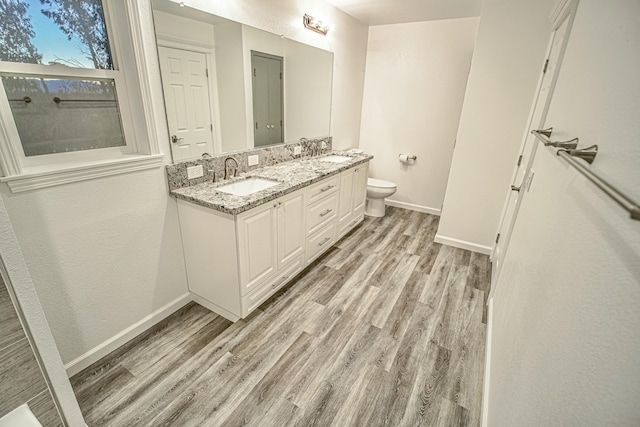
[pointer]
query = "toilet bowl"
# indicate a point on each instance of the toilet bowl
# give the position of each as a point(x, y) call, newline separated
point(377, 190)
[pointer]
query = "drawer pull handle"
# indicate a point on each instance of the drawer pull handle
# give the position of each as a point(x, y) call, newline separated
point(282, 280)
point(327, 212)
point(327, 188)
point(354, 222)
point(324, 241)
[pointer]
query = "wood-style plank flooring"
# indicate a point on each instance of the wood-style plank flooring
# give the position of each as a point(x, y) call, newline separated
point(386, 329)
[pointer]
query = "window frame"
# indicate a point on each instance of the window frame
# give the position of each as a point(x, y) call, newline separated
point(125, 22)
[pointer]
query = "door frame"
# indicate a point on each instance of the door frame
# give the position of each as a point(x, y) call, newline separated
point(209, 51)
point(563, 10)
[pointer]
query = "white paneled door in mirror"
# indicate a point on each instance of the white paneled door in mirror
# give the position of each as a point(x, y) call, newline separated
point(186, 96)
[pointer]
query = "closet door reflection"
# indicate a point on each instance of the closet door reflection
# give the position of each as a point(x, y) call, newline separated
point(268, 108)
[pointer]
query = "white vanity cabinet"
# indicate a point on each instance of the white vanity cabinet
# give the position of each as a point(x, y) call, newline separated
point(235, 263)
point(270, 237)
point(353, 191)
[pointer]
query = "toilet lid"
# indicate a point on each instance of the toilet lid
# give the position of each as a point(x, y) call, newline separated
point(380, 183)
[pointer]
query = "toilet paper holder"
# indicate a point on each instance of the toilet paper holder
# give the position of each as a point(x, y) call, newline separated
point(405, 157)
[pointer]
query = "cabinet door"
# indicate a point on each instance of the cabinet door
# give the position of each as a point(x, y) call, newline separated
point(345, 207)
point(360, 187)
point(257, 245)
point(290, 212)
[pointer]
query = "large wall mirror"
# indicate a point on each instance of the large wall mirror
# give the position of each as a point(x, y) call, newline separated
point(230, 87)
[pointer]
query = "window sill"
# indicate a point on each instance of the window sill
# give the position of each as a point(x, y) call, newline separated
point(33, 181)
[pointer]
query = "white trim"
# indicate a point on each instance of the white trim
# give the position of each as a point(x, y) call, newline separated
point(21, 287)
point(146, 54)
point(118, 340)
point(215, 308)
point(411, 206)
point(462, 244)
point(484, 417)
point(184, 44)
point(214, 102)
point(560, 11)
point(37, 180)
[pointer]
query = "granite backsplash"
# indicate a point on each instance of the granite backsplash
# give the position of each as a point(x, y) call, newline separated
point(268, 156)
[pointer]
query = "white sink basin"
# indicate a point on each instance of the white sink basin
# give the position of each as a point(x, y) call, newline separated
point(247, 186)
point(335, 159)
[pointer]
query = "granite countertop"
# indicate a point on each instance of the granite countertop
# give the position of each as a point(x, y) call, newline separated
point(292, 175)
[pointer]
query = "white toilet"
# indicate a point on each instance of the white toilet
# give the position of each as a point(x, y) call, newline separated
point(377, 191)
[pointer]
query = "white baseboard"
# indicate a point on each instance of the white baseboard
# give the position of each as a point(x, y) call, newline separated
point(473, 247)
point(215, 308)
point(411, 206)
point(487, 363)
point(98, 352)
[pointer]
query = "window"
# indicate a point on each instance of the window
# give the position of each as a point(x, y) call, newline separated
point(66, 68)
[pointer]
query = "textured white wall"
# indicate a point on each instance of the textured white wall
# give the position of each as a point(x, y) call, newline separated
point(348, 42)
point(102, 253)
point(507, 60)
point(19, 281)
point(414, 87)
point(170, 25)
point(566, 325)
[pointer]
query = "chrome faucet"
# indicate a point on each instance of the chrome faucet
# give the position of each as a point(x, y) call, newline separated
point(227, 168)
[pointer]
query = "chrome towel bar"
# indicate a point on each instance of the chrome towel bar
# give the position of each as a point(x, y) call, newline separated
point(545, 134)
point(588, 154)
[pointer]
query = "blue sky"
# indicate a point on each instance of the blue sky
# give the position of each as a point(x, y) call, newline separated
point(50, 41)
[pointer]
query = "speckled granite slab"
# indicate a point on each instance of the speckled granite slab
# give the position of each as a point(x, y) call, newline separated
point(292, 175)
point(268, 156)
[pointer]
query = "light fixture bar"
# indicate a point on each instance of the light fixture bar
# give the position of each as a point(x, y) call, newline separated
point(315, 25)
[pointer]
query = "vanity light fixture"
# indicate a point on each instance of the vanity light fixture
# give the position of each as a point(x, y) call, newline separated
point(315, 24)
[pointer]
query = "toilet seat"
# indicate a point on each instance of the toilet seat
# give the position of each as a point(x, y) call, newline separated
point(379, 183)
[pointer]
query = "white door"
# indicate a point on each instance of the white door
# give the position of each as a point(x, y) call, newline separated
point(345, 207)
point(257, 245)
point(360, 187)
point(291, 236)
point(186, 97)
point(523, 174)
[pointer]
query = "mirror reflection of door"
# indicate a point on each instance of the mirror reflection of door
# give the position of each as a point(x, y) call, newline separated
point(186, 95)
point(268, 107)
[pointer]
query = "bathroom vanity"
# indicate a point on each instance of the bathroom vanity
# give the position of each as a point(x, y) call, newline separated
point(240, 249)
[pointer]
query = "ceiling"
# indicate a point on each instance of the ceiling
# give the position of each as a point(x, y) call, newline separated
point(381, 12)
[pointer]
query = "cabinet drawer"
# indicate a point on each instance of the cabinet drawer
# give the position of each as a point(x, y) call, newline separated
point(320, 241)
point(322, 212)
point(322, 188)
point(346, 226)
point(252, 300)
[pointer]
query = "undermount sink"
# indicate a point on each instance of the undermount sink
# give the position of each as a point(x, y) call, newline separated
point(335, 159)
point(247, 186)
